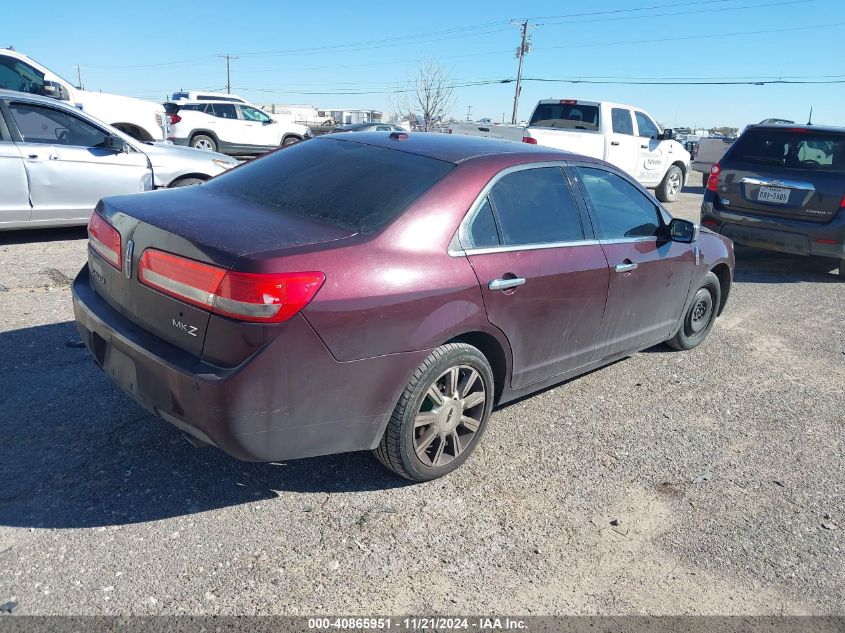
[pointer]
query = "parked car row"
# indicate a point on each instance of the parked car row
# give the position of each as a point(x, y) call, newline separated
point(57, 161)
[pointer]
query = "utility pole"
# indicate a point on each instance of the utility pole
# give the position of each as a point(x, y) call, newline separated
point(524, 47)
point(469, 113)
point(79, 76)
point(228, 57)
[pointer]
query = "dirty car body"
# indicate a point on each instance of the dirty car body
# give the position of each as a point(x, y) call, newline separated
point(387, 240)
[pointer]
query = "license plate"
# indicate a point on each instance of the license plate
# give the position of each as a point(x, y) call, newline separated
point(773, 194)
point(97, 273)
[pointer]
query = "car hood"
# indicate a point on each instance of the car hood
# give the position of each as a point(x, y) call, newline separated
point(169, 151)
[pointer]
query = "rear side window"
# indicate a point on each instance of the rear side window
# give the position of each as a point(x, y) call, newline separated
point(795, 148)
point(482, 230)
point(572, 116)
point(535, 206)
point(222, 110)
point(621, 210)
point(621, 120)
point(343, 183)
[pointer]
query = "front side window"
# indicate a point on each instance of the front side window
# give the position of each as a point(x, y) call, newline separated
point(254, 114)
point(622, 123)
point(222, 110)
point(39, 124)
point(621, 210)
point(646, 126)
point(20, 77)
point(535, 206)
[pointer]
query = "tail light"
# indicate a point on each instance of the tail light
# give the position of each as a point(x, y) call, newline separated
point(529, 140)
point(450, 130)
point(713, 179)
point(842, 203)
point(268, 298)
point(174, 118)
point(104, 239)
point(710, 222)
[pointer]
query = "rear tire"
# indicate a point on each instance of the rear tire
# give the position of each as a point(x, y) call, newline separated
point(290, 140)
point(700, 314)
point(441, 415)
point(202, 141)
point(671, 185)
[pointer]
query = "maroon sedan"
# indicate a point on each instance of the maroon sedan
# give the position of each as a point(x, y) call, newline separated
point(385, 292)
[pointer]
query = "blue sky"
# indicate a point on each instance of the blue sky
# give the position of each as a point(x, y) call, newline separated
point(288, 50)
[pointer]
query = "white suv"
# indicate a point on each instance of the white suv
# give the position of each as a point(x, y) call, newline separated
point(232, 128)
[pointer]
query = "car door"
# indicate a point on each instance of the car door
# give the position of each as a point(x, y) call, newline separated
point(652, 156)
point(261, 131)
point(623, 145)
point(14, 201)
point(649, 273)
point(69, 165)
point(543, 277)
point(230, 130)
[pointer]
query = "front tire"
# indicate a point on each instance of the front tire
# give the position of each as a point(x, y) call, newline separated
point(186, 182)
point(671, 185)
point(842, 269)
point(202, 141)
point(700, 315)
point(290, 140)
point(441, 415)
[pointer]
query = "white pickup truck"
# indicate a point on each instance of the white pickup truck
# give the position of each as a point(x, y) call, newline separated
point(622, 135)
point(140, 119)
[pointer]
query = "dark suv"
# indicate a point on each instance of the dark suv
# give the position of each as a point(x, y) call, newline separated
point(781, 187)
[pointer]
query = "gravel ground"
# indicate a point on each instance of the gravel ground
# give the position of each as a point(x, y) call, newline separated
point(709, 481)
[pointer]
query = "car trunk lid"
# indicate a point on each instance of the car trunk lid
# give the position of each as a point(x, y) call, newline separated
point(785, 172)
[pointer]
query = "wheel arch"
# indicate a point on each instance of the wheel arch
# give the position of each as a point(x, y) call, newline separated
point(496, 355)
point(176, 179)
point(723, 272)
point(204, 133)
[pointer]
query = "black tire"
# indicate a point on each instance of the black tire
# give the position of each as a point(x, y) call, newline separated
point(842, 269)
point(704, 179)
point(290, 140)
point(203, 141)
point(700, 314)
point(452, 439)
point(671, 185)
point(186, 182)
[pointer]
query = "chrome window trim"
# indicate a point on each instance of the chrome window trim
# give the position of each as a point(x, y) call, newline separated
point(457, 246)
point(459, 252)
point(778, 182)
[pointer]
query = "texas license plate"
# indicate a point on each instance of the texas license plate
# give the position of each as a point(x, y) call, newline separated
point(778, 195)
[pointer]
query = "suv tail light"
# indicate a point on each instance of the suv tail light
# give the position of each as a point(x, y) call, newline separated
point(104, 239)
point(267, 298)
point(529, 140)
point(713, 178)
point(174, 118)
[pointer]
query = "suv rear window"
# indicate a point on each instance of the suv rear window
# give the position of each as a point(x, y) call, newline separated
point(343, 183)
point(572, 116)
point(795, 148)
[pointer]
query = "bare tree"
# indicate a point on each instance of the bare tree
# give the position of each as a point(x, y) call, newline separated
point(427, 95)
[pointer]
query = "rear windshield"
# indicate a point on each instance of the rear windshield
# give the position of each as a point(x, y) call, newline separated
point(795, 148)
point(572, 116)
point(352, 185)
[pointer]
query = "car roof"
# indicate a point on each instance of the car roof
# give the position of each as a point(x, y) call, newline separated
point(807, 127)
point(14, 94)
point(454, 148)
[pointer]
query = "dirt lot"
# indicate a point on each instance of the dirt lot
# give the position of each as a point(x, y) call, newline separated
point(722, 469)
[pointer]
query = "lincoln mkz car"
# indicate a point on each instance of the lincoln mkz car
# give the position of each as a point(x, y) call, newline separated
point(384, 291)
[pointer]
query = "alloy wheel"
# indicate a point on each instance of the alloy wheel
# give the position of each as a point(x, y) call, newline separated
point(449, 416)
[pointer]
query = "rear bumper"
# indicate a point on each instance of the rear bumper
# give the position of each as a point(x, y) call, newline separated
point(290, 399)
point(776, 234)
point(178, 141)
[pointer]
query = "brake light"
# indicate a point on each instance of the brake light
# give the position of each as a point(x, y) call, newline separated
point(568, 101)
point(104, 239)
point(268, 298)
point(450, 130)
point(713, 179)
point(842, 203)
point(529, 140)
point(710, 222)
point(174, 118)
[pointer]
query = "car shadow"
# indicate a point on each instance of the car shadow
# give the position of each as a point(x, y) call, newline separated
point(76, 452)
point(31, 236)
point(759, 267)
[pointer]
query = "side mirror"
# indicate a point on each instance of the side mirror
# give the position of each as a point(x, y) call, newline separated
point(116, 144)
point(667, 135)
point(56, 90)
point(683, 231)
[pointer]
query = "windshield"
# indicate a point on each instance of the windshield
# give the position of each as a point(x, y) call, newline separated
point(356, 186)
point(573, 116)
point(795, 148)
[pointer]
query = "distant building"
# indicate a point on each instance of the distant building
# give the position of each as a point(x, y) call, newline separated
point(347, 117)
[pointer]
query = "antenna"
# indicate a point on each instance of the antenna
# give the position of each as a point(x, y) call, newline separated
point(810, 120)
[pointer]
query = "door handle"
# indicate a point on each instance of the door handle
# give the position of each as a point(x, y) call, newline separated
point(624, 268)
point(32, 156)
point(644, 146)
point(614, 142)
point(505, 284)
